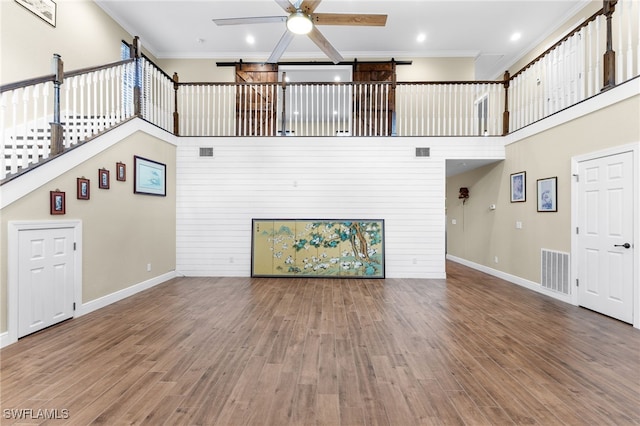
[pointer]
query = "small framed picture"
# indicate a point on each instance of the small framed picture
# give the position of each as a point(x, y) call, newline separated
point(121, 172)
point(547, 194)
point(519, 187)
point(103, 179)
point(57, 202)
point(83, 188)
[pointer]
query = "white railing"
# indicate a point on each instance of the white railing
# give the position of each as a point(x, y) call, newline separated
point(341, 109)
point(450, 109)
point(94, 101)
point(157, 102)
point(89, 102)
point(81, 104)
point(24, 114)
point(572, 70)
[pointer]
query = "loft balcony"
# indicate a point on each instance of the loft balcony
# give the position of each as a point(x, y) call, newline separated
point(42, 118)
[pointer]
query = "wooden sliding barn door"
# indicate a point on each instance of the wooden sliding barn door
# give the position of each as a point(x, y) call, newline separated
point(374, 104)
point(256, 103)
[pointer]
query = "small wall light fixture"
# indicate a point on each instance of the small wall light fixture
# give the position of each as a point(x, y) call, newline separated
point(464, 194)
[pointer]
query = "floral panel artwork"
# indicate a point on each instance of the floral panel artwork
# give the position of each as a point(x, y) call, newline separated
point(325, 248)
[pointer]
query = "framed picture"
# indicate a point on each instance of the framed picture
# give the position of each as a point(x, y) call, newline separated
point(83, 189)
point(43, 9)
point(150, 177)
point(347, 248)
point(518, 187)
point(121, 172)
point(57, 202)
point(103, 179)
point(548, 194)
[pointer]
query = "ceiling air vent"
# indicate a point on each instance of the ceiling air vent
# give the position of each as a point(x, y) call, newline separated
point(423, 152)
point(206, 151)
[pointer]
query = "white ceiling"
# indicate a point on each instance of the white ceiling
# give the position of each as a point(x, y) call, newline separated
point(454, 28)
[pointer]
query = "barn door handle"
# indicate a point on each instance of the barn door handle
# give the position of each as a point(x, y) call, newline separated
point(625, 245)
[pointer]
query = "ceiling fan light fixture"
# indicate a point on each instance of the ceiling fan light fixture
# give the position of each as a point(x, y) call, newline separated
point(299, 23)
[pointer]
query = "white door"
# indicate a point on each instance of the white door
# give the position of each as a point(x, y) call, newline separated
point(605, 235)
point(45, 278)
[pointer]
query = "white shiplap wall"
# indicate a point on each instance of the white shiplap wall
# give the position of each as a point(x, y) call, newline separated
point(309, 178)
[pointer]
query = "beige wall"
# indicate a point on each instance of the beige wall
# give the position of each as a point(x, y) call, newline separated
point(84, 36)
point(592, 7)
point(122, 231)
point(437, 69)
point(482, 234)
point(421, 69)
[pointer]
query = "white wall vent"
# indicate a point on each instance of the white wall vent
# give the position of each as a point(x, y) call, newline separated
point(554, 271)
point(423, 152)
point(206, 151)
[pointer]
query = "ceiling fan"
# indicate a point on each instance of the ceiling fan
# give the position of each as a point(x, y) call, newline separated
point(303, 20)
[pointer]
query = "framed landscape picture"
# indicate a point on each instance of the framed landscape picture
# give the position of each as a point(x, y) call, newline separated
point(150, 177)
point(43, 9)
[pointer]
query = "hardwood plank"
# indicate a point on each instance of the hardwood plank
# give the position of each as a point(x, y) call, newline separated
point(471, 349)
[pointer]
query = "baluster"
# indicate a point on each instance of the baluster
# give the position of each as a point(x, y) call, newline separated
point(94, 102)
point(533, 92)
point(14, 128)
point(598, 56)
point(629, 54)
point(224, 107)
point(117, 94)
point(4, 130)
point(590, 47)
point(581, 63)
point(426, 90)
point(65, 120)
point(619, 17)
point(208, 110)
point(25, 129)
point(35, 146)
point(216, 111)
point(513, 107)
point(188, 119)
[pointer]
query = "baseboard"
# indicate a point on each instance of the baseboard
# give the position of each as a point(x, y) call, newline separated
point(531, 285)
point(85, 308)
point(107, 300)
point(4, 339)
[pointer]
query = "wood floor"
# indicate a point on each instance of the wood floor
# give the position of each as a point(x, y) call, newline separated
point(471, 350)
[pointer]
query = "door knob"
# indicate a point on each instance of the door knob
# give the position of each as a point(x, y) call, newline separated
point(625, 245)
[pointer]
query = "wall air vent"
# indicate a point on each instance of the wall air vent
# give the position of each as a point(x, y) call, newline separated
point(206, 151)
point(423, 152)
point(554, 271)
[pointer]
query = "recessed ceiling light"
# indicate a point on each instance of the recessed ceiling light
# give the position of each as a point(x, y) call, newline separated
point(421, 37)
point(250, 39)
point(337, 78)
point(516, 36)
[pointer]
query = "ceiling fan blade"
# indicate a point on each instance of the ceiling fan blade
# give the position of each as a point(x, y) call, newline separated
point(286, 5)
point(316, 36)
point(355, 19)
point(280, 47)
point(308, 6)
point(250, 20)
